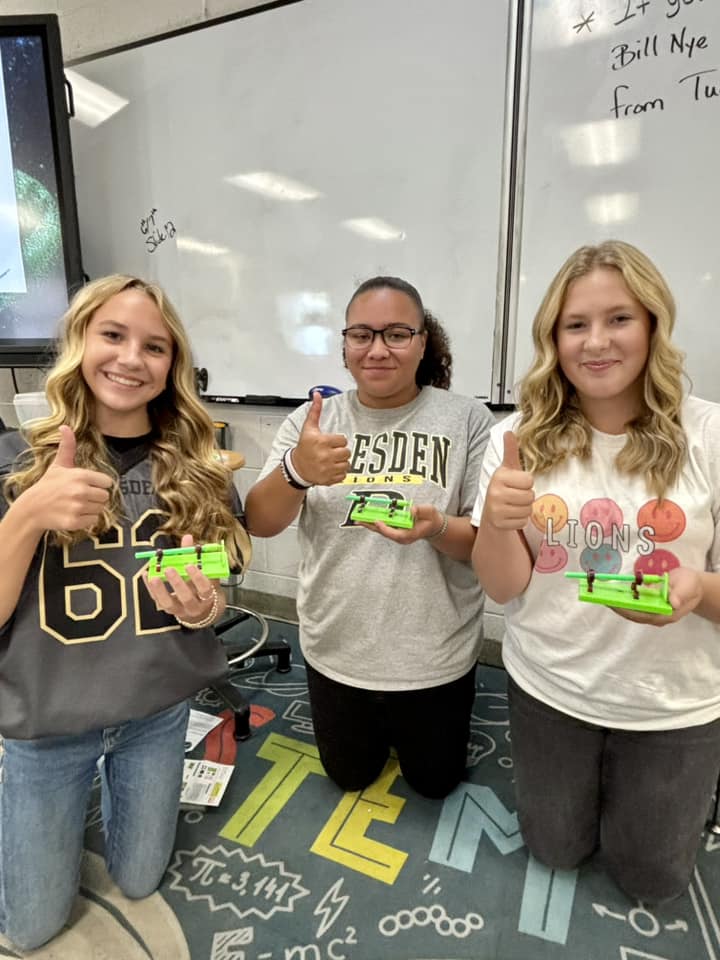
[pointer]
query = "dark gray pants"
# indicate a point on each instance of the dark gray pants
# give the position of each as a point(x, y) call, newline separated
point(640, 797)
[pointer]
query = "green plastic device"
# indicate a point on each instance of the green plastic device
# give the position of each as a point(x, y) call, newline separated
point(210, 558)
point(389, 510)
point(628, 591)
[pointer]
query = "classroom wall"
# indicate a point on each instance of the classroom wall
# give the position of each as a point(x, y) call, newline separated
point(89, 27)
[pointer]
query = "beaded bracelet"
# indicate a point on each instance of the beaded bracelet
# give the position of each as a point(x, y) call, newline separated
point(441, 531)
point(290, 474)
point(206, 620)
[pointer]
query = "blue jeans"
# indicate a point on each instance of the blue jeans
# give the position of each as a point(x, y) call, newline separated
point(45, 785)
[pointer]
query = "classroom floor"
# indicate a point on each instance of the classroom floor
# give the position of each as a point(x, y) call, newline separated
point(290, 868)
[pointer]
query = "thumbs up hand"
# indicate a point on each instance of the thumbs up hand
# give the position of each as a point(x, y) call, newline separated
point(66, 497)
point(510, 494)
point(65, 456)
point(320, 458)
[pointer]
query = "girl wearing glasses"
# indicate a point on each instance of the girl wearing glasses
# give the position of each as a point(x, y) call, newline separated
point(390, 619)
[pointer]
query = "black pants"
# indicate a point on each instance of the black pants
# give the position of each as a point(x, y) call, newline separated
point(429, 729)
point(640, 797)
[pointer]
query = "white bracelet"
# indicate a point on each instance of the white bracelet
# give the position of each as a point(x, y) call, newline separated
point(206, 620)
point(290, 467)
point(441, 531)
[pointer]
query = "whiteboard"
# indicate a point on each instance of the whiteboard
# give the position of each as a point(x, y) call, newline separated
point(623, 141)
point(376, 125)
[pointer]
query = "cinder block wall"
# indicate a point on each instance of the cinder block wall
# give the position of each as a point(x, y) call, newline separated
point(274, 568)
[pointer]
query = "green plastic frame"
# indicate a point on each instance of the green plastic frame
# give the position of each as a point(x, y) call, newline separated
point(210, 558)
point(627, 591)
point(388, 510)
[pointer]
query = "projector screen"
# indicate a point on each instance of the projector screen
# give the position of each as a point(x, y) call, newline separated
point(39, 246)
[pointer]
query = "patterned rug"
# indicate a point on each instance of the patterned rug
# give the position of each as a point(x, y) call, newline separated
point(290, 868)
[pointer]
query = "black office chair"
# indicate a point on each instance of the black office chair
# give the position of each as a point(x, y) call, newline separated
point(714, 821)
point(240, 652)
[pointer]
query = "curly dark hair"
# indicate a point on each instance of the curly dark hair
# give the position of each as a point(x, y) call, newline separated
point(435, 368)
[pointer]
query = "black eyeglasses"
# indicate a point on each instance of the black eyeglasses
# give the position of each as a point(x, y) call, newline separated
point(397, 336)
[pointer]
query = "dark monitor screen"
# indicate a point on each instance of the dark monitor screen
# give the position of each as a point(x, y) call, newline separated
point(40, 263)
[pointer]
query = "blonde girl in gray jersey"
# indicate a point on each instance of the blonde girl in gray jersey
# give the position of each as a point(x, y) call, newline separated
point(94, 660)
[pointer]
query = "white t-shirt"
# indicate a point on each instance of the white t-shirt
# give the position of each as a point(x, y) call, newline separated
point(582, 658)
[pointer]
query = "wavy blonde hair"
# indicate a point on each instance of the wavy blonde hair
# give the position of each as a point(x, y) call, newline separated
point(552, 426)
point(192, 487)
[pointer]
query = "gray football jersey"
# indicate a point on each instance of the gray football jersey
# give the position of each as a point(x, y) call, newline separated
point(86, 648)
